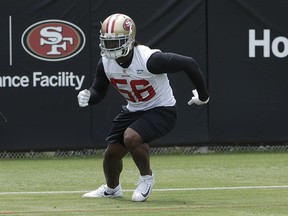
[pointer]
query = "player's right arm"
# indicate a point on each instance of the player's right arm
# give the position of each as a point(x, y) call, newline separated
point(97, 91)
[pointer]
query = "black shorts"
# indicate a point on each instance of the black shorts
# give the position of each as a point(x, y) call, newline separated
point(149, 124)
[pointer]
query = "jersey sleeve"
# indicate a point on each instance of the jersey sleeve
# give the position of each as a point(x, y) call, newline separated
point(100, 85)
point(159, 63)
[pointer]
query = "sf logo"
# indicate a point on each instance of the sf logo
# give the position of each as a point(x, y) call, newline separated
point(53, 40)
point(53, 37)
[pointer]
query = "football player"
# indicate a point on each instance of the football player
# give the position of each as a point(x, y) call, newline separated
point(140, 76)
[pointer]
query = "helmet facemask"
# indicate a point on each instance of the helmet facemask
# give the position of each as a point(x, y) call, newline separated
point(113, 47)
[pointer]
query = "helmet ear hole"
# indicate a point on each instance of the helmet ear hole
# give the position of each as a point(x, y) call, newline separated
point(117, 36)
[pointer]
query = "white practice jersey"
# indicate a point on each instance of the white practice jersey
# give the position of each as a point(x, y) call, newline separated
point(142, 89)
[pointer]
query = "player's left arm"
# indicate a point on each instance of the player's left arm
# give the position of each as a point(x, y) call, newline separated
point(171, 62)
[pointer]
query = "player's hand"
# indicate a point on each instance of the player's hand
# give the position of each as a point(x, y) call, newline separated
point(83, 98)
point(195, 99)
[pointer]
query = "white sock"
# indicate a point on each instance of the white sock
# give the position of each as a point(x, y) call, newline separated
point(113, 190)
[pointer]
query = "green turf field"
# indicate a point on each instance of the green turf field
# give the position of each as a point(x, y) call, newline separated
point(218, 185)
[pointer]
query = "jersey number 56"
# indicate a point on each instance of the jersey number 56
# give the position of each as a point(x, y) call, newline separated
point(139, 88)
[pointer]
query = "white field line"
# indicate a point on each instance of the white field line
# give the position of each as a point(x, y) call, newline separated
point(164, 189)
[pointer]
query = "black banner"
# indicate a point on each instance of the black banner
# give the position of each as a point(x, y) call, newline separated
point(44, 63)
point(248, 51)
point(49, 51)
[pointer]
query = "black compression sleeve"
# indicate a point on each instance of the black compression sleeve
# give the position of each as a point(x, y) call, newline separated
point(100, 84)
point(170, 63)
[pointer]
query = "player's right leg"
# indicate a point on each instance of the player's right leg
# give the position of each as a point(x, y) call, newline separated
point(112, 166)
point(112, 163)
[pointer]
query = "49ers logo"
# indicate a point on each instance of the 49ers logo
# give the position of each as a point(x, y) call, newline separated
point(127, 24)
point(53, 40)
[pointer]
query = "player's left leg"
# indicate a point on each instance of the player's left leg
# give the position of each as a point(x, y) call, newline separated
point(151, 125)
point(138, 150)
point(140, 154)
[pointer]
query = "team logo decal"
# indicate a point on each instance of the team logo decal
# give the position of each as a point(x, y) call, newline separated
point(53, 40)
point(127, 24)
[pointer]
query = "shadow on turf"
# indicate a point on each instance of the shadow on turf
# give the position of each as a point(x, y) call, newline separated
point(153, 200)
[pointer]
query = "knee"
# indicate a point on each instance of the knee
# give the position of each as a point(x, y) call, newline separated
point(132, 139)
point(115, 151)
point(108, 153)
